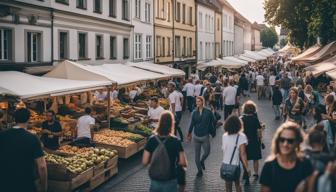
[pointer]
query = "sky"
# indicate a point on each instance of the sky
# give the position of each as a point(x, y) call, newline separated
point(253, 10)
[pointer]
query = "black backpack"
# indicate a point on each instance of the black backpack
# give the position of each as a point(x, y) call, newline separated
point(159, 168)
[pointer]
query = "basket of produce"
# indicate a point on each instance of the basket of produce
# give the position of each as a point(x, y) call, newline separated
point(141, 130)
point(119, 122)
point(164, 103)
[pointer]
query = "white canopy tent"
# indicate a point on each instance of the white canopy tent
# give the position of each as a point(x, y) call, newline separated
point(332, 74)
point(223, 63)
point(236, 60)
point(265, 53)
point(115, 73)
point(28, 86)
point(158, 68)
point(253, 55)
point(327, 65)
point(242, 57)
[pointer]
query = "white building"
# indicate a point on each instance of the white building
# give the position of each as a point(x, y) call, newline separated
point(242, 34)
point(228, 29)
point(87, 31)
point(205, 31)
point(142, 20)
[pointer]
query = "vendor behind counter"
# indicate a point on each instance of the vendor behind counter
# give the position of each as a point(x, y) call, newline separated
point(51, 131)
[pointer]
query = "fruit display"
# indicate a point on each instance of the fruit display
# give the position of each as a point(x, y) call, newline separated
point(35, 130)
point(87, 150)
point(82, 161)
point(35, 118)
point(164, 103)
point(121, 134)
point(150, 92)
point(119, 122)
point(141, 129)
point(127, 112)
point(117, 141)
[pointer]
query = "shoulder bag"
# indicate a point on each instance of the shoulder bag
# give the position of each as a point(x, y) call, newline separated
point(230, 172)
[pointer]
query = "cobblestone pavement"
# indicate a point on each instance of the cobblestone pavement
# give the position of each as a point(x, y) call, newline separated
point(133, 176)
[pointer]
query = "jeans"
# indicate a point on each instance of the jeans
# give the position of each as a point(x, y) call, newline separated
point(201, 142)
point(163, 186)
point(284, 94)
point(228, 110)
point(276, 109)
point(178, 117)
point(190, 103)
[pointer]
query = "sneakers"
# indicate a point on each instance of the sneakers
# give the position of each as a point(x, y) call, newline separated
point(202, 165)
point(199, 174)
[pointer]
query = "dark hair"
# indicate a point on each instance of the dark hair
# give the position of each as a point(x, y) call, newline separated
point(330, 98)
point(154, 99)
point(316, 137)
point(88, 110)
point(249, 107)
point(52, 112)
point(232, 125)
point(166, 124)
point(22, 115)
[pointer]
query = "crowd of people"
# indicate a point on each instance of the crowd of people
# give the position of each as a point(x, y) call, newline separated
point(303, 147)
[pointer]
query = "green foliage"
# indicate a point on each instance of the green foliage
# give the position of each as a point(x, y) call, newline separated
point(305, 19)
point(283, 42)
point(268, 37)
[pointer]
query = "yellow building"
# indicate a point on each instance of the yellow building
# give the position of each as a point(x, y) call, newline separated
point(218, 31)
point(175, 30)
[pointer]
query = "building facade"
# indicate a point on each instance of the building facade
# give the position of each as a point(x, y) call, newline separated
point(242, 34)
point(205, 31)
point(255, 43)
point(86, 31)
point(142, 20)
point(228, 29)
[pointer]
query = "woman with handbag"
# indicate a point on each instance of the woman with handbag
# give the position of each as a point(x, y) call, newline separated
point(253, 131)
point(234, 149)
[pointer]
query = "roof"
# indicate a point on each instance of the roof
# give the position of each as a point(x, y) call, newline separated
point(162, 69)
point(307, 53)
point(323, 53)
point(227, 4)
point(242, 57)
point(28, 86)
point(212, 4)
point(253, 55)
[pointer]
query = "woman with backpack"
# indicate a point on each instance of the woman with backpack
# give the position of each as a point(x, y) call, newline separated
point(234, 150)
point(165, 156)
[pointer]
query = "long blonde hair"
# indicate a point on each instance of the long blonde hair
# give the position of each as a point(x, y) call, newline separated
point(166, 125)
point(291, 126)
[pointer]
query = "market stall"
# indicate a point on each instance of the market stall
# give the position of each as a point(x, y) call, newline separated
point(289, 49)
point(324, 53)
point(242, 57)
point(253, 55)
point(307, 53)
point(236, 60)
point(320, 68)
point(162, 69)
point(332, 74)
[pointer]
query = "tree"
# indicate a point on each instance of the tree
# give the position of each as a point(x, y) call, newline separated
point(268, 37)
point(283, 42)
point(305, 19)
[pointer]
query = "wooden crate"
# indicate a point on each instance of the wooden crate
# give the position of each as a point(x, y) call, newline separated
point(67, 186)
point(141, 144)
point(113, 162)
point(110, 172)
point(98, 169)
point(96, 181)
point(123, 152)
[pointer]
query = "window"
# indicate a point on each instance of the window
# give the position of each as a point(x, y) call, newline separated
point(97, 7)
point(81, 4)
point(178, 12)
point(218, 24)
point(148, 46)
point(168, 11)
point(82, 46)
point(225, 21)
point(168, 46)
point(163, 47)
point(157, 8)
point(6, 44)
point(34, 47)
point(137, 8)
point(63, 45)
point(190, 16)
point(230, 22)
point(65, 2)
point(147, 12)
point(183, 13)
point(184, 46)
point(138, 47)
point(126, 48)
point(163, 16)
point(177, 46)
point(113, 47)
point(200, 54)
point(125, 14)
point(99, 47)
point(200, 20)
point(158, 46)
point(190, 47)
point(113, 8)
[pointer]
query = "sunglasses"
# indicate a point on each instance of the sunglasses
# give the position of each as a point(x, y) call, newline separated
point(289, 140)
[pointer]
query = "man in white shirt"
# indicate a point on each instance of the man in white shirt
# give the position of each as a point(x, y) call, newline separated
point(175, 99)
point(84, 128)
point(154, 112)
point(189, 88)
point(100, 95)
point(229, 98)
point(198, 88)
point(271, 81)
point(260, 84)
point(132, 94)
point(114, 94)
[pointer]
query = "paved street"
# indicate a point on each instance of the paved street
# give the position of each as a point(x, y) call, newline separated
point(133, 176)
